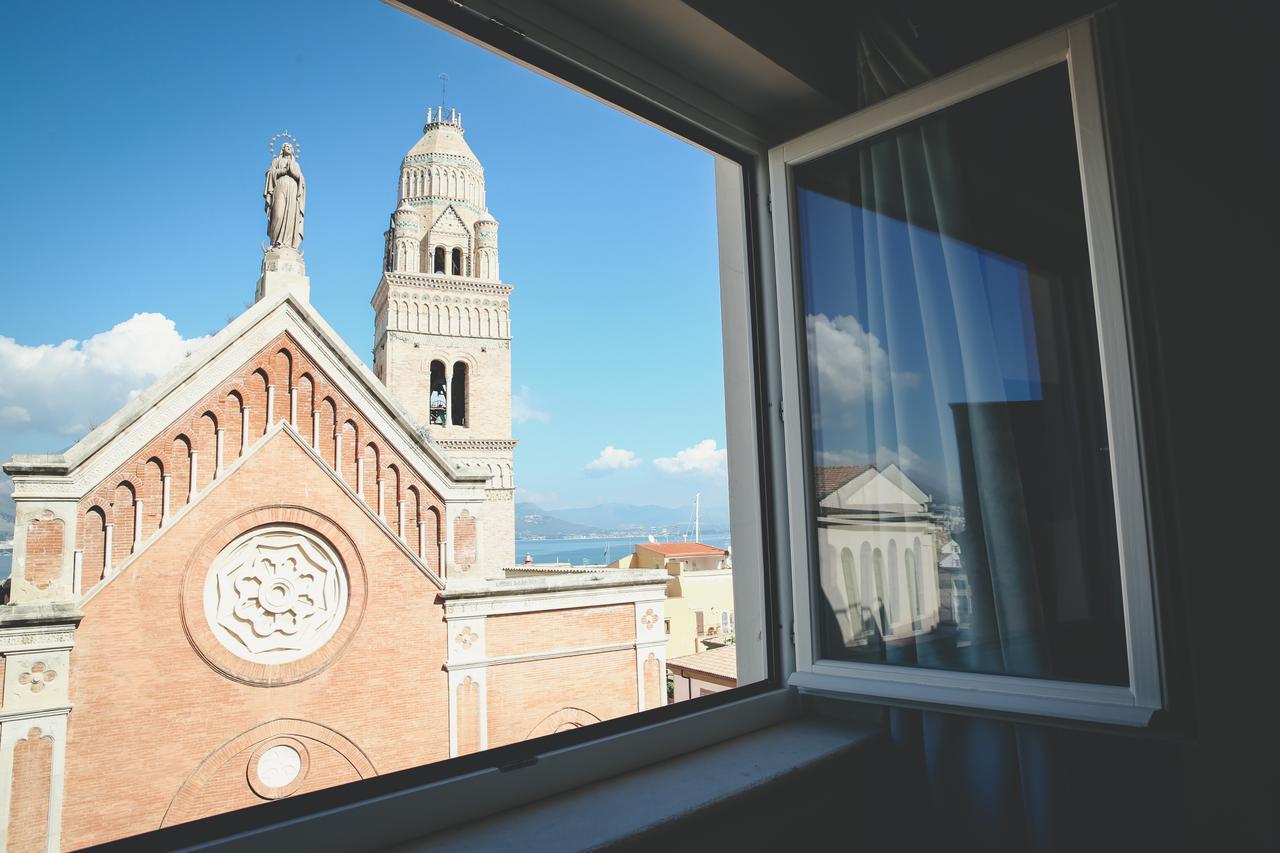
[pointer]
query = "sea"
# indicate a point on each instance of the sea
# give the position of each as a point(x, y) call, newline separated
point(592, 551)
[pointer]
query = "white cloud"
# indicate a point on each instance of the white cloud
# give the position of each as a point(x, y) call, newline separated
point(14, 416)
point(851, 363)
point(703, 458)
point(63, 388)
point(523, 410)
point(614, 459)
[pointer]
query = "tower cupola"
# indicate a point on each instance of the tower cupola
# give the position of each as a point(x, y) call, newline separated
point(441, 167)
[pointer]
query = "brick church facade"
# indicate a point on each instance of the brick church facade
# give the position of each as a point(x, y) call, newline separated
point(276, 570)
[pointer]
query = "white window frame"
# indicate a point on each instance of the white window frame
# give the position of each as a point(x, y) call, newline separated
point(1130, 705)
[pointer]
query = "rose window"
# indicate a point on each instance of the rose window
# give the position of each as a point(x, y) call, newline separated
point(275, 595)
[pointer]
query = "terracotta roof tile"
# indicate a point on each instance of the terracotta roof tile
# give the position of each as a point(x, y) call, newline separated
point(682, 549)
point(722, 662)
point(828, 478)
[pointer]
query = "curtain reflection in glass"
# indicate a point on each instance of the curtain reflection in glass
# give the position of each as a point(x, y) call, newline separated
point(958, 428)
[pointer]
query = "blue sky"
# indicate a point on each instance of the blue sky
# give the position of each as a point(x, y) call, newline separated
point(132, 165)
point(903, 323)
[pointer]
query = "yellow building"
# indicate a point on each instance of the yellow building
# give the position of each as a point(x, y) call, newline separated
point(699, 592)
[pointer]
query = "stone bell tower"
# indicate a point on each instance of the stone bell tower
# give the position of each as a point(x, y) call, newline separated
point(442, 334)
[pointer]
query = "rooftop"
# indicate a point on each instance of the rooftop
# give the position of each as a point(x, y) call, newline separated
point(828, 478)
point(683, 549)
point(722, 662)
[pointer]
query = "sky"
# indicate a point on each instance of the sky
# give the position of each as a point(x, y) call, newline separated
point(887, 362)
point(131, 224)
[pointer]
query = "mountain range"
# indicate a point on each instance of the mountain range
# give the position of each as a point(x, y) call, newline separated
point(534, 521)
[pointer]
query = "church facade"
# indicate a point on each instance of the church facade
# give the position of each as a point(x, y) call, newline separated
point(276, 570)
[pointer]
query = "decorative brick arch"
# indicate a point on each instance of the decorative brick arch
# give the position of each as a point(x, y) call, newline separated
point(188, 803)
point(29, 806)
point(565, 718)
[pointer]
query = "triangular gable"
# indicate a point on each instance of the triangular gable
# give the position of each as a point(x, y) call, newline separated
point(449, 222)
point(175, 396)
point(889, 490)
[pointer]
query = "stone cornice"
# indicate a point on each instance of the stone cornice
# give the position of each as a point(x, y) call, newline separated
point(452, 283)
point(448, 159)
point(454, 444)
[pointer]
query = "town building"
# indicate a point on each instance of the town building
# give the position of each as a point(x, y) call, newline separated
point(880, 559)
point(276, 571)
point(699, 605)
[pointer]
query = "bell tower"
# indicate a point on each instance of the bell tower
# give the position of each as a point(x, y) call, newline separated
point(442, 329)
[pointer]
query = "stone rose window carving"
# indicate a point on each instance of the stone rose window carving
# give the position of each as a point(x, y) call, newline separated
point(275, 595)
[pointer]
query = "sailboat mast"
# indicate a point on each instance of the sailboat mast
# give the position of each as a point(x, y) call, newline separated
point(697, 517)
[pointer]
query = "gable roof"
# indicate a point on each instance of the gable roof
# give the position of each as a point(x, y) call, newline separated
point(828, 478)
point(450, 222)
point(683, 549)
point(135, 423)
point(868, 487)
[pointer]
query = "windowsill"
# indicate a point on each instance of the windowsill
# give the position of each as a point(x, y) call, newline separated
point(655, 797)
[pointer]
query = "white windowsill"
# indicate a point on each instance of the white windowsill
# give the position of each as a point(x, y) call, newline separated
point(653, 796)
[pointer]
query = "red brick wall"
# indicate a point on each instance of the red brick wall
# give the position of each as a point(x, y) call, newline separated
point(136, 672)
point(29, 808)
point(522, 695)
point(44, 550)
point(549, 630)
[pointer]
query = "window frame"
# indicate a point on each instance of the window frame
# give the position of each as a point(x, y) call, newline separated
point(1131, 705)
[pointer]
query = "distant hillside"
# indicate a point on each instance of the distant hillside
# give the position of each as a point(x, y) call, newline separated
point(7, 508)
point(533, 521)
point(642, 517)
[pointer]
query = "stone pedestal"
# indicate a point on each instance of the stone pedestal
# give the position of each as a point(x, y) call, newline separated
point(283, 271)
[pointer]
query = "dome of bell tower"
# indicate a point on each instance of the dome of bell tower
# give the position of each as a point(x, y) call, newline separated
point(441, 168)
point(442, 134)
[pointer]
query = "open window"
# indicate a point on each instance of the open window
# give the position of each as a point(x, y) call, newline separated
point(963, 475)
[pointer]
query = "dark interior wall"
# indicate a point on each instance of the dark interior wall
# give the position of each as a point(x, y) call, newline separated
point(1195, 93)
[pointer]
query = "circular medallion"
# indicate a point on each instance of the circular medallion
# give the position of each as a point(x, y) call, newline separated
point(278, 767)
point(273, 595)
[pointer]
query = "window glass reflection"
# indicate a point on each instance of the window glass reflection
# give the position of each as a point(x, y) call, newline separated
point(964, 506)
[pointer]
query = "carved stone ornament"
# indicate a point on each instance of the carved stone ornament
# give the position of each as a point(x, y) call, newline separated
point(275, 595)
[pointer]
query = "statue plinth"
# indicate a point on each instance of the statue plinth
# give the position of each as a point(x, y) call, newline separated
point(283, 271)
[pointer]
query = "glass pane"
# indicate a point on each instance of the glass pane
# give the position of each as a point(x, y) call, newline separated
point(964, 506)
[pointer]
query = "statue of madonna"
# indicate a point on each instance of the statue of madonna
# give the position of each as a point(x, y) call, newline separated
point(286, 199)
